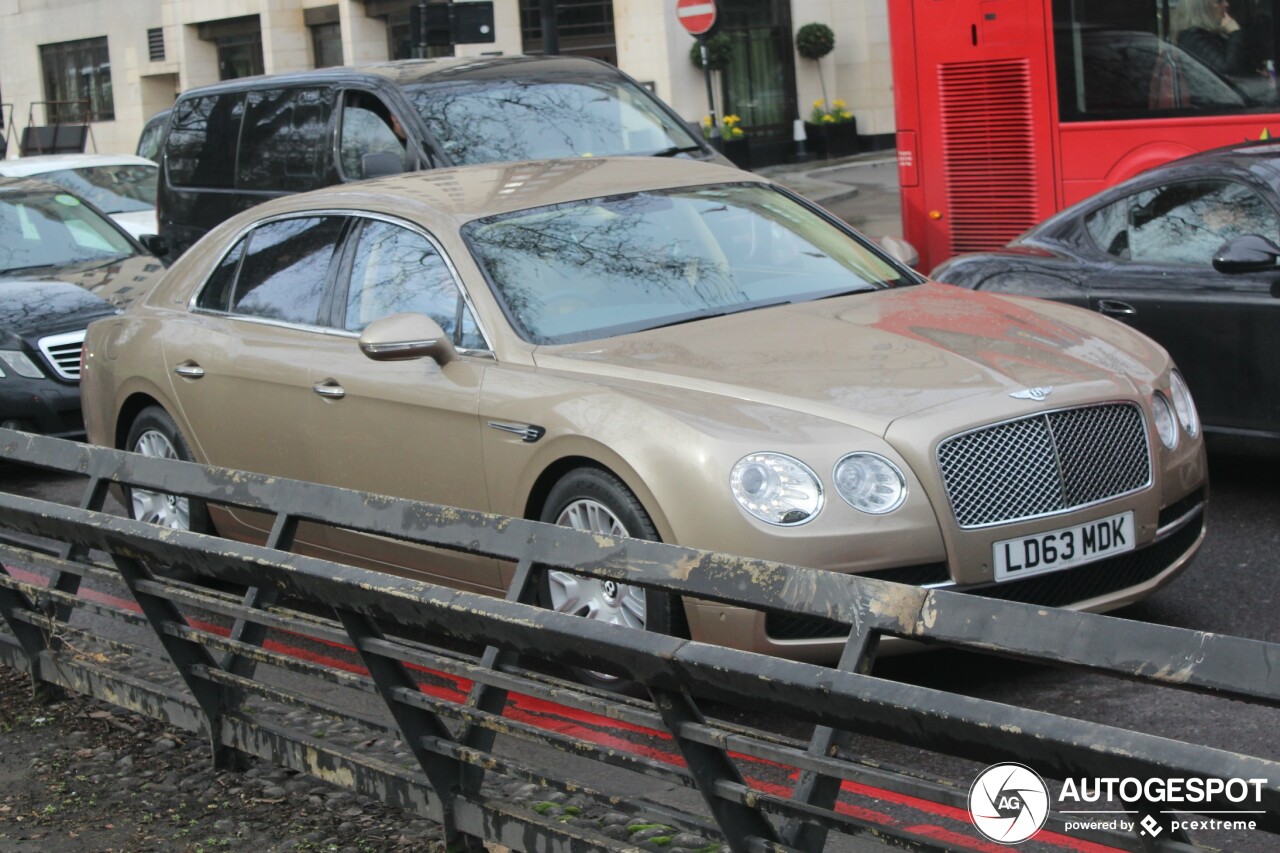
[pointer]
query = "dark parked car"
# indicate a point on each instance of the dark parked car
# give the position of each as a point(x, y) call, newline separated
point(1187, 253)
point(232, 145)
point(63, 264)
point(151, 136)
point(42, 328)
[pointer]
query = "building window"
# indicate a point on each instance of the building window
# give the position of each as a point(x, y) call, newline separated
point(239, 42)
point(326, 42)
point(584, 27)
point(240, 56)
point(77, 81)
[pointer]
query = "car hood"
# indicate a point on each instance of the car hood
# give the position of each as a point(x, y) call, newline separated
point(121, 282)
point(870, 359)
point(138, 223)
point(37, 308)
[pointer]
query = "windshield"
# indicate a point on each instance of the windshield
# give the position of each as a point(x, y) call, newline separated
point(487, 122)
point(609, 266)
point(44, 229)
point(113, 189)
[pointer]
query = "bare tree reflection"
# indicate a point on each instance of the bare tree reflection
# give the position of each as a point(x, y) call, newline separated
point(606, 266)
point(491, 122)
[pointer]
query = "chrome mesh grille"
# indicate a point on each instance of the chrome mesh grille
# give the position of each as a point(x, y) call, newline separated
point(1045, 464)
point(63, 353)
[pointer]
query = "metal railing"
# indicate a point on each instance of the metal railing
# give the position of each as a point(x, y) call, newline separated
point(201, 678)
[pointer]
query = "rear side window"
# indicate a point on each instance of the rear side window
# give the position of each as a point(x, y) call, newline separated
point(200, 150)
point(283, 144)
point(285, 269)
point(216, 295)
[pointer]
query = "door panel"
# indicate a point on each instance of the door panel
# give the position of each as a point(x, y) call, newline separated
point(242, 411)
point(408, 429)
point(1220, 330)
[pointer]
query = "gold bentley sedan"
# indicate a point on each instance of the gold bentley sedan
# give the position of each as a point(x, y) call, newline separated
point(669, 350)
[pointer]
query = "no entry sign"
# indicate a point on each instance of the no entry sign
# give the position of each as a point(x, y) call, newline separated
point(696, 16)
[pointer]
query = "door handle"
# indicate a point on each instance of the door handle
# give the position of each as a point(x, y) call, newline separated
point(329, 389)
point(1115, 308)
point(189, 370)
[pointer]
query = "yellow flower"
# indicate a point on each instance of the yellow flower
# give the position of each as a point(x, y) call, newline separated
point(706, 121)
point(819, 104)
point(731, 120)
point(846, 115)
point(838, 104)
point(829, 118)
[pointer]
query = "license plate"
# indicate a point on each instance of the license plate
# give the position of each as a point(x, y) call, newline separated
point(1064, 547)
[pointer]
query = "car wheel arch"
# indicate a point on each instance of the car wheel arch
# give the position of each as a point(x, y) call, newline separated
point(133, 406)
point(556, 470)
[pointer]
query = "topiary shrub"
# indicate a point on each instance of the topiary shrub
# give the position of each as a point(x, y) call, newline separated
point(814, 41)
point(719, 52)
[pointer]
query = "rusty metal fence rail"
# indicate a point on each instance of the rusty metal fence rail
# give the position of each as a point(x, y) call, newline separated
point(203, 679)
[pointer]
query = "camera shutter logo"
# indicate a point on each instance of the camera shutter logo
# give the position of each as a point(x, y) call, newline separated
point(1008, 803)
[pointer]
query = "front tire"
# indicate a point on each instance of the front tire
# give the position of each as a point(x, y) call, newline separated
point(596, 501)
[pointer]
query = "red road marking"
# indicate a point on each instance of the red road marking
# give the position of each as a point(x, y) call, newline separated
point(594, 728)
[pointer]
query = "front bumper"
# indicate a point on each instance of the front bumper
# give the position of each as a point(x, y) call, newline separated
point(41, 406)
point(1095, 587)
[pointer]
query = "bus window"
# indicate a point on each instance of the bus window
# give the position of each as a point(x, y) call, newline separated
point(1170, 58)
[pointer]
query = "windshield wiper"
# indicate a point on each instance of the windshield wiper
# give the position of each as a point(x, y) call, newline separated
point(710, 315)
point(11, 270)
point(675, 149)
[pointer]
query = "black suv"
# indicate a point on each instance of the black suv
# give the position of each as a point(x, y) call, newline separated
point(235, 144)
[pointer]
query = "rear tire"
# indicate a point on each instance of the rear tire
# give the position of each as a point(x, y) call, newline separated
point(155, 434)
point(594, 500)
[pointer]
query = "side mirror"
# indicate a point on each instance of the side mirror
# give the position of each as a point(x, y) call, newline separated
point(155, 244)
point(382, 163)
point(900, 250)
point(1250, 253)
point(405, 337)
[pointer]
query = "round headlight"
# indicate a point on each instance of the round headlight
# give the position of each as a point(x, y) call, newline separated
point(1163, 413)
point(870, 483)
point(1184, 405)
point(776, 488)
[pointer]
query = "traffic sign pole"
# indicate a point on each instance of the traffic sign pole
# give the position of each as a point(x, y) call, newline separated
point(711, 96)
point(698, 17)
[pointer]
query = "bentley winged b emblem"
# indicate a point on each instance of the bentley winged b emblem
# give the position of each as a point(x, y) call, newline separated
point(1037, 394)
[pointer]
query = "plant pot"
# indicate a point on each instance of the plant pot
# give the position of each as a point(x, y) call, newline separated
point(739, 151)
point(837, 139)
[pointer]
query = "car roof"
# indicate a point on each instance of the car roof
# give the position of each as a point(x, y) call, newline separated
point(1251, 155)
point(464, 193)
point(402, 72)
point(42, 163)
point(28, 184)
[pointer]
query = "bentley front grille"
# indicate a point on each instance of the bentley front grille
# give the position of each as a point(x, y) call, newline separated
point(1045, 464)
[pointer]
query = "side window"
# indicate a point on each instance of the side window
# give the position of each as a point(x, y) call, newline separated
point(368, 128)
point(285, 269)
point(1182, 223)
point(284, 139)
point(397, 270)
point(216, 295)
point(200, 149)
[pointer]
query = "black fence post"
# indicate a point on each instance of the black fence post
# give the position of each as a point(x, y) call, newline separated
point(816, 789)
point(416, 724)
point(187, 655)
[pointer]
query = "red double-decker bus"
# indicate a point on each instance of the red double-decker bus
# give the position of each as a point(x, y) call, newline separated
point(1009, 110)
